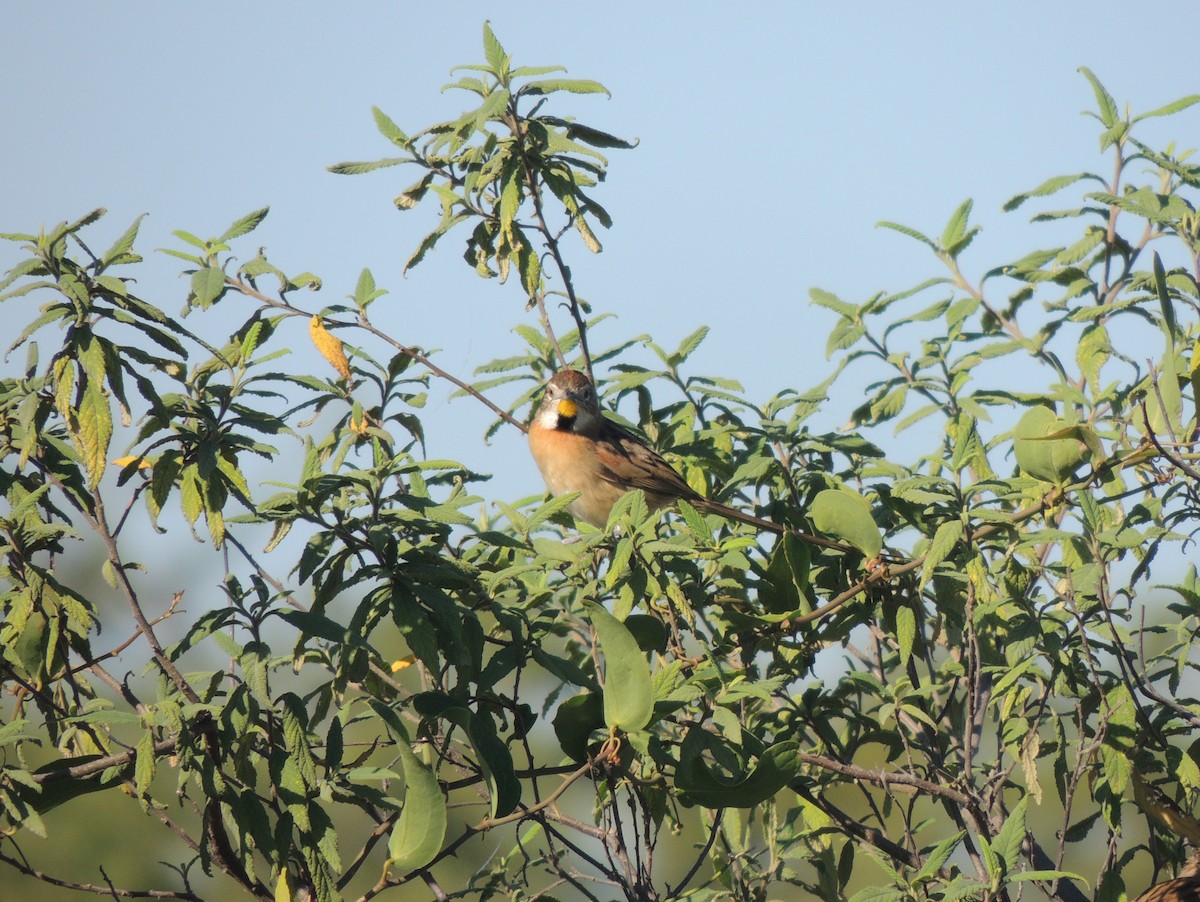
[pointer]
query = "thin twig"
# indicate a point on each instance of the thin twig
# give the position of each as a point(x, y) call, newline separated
point(687, 878)
point(365, 324)
point(108, 890)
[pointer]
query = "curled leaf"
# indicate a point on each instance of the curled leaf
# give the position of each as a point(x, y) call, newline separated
point(847, 515)
point(417, 837)
point(1049, 448)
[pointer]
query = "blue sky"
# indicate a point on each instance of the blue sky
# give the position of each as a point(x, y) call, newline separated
point(772, 140)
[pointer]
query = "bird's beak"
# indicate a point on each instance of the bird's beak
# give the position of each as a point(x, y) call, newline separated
point(567, 408)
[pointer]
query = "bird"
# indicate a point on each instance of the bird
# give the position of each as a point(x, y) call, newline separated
point(1185, 888)
point(1166, 813)
point(578, 449)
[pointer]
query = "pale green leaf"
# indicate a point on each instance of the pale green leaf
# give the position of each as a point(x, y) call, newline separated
point(628, 689)
point(419, 832)
point(944, 542)
point(847, 515)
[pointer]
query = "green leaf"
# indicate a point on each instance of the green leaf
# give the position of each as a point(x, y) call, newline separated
point(143, 771)
point(30, 647)
point(1107, 106)
point(492, 108)
point(530, 71)
point(1047, 876)
point(1164, 302)
point(389, 129)
point(906, 633)
point(1093, 352)
point(785, 587)
point(245, 225)
point(495, 761)
point(122, 245)
point(1050, 186)
point(650, 632)
point(414, 193)
point(571, 85)
point(429, 241)
point(596, 138)
point(956, 228)
point(208, 283)
point(905, 230)
point(695, 522)
point(991, 860)
point(881, 894)
point(628, 689)
point(774, 769)
point(418, 835)
point(689, 344)
point(1164, 401)
point(832, 302)
point(1194, 371)
point(93, 432)
point(1011, 837)
point(1182, 104)
point(938, 857)
point(944, 541)
point(493, 52)
point(1040, 455)
point(847, 515)
point(358, 167)
point(576, 720)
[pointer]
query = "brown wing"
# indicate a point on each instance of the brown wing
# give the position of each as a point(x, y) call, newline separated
point(629, 463)
point(1181, 889)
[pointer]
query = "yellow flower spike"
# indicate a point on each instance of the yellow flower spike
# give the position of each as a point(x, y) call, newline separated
point(143, 464)
point(329, 346)
point(399, 665)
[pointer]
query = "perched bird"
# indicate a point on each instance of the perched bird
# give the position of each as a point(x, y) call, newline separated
point(1184, 888)
point(1165, 812)
point(579, 450)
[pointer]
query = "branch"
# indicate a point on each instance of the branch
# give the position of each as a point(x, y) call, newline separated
point(107, 890)
point(96, 765)
point(687, 878)
point(100, 525)
point(535, 195)
point(888, 570)
point(365, 324)
point(883, 778)
point(1176, 462)
point(851, 827)
point(488, 823)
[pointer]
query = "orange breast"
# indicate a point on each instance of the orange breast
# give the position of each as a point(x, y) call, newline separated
point(568, 464)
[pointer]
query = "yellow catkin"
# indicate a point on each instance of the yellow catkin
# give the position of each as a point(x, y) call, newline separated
point(329, 346)
point(143, 464)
